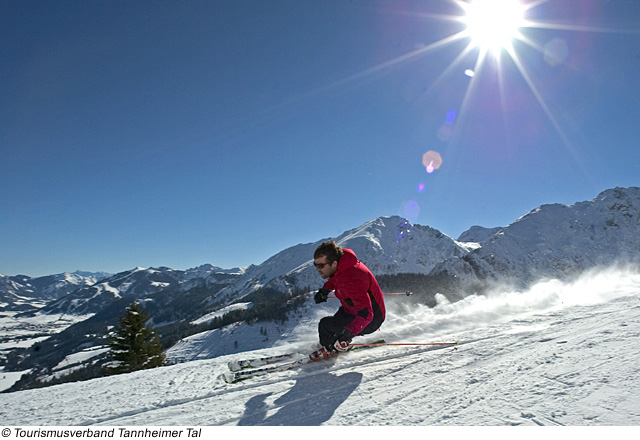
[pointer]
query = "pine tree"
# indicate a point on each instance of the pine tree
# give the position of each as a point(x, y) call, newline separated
point(134, 346)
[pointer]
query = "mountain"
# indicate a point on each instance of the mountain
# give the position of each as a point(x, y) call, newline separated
point(555, 241)
point(134, 284)
point(478, 234)
point(387, 245)
point(561, 354)
point(549, 241)
point(21, 292)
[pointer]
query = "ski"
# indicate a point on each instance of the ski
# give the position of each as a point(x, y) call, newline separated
point(237, 376)
point(243, 364)
point(248, 368)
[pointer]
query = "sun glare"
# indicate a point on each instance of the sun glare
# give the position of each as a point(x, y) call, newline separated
point(493, 24)
point(492, 27)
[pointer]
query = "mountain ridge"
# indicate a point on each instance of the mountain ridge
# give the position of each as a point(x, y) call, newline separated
point(549, 241)
point(556, 240)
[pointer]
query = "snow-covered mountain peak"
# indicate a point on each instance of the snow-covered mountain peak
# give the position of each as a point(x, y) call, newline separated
point(376, 232)
point(22, 292)
point(209, 269)
point(557, 240)
point(387, 245)
point(478, 234)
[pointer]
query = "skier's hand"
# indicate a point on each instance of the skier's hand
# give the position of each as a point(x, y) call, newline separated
point(321, 295)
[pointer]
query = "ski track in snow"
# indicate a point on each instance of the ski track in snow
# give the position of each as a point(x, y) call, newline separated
point(574, 365)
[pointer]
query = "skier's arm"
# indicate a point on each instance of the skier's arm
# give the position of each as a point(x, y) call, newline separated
point(330, 285)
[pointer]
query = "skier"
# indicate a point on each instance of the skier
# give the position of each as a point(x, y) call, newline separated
point(362, 309)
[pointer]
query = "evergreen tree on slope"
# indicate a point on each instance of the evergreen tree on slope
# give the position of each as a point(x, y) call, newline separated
point(134, 345)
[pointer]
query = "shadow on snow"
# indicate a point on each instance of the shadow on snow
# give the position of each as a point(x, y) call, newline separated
point(310, 402)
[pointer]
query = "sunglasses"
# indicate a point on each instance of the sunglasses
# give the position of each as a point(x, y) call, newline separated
point(320, 265)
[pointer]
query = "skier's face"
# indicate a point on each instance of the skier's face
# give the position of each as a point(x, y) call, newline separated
point(325, 269)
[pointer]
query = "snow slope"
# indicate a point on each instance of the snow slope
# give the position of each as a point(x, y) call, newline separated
point(557, 354)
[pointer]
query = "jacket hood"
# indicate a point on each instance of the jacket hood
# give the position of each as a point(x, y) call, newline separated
point(348, 259)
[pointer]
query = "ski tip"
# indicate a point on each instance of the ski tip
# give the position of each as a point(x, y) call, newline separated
point(228, 377)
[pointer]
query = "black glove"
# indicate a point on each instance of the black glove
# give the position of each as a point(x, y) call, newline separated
point(321, 295)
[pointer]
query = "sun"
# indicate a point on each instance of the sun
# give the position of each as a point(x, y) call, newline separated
point(493, 24)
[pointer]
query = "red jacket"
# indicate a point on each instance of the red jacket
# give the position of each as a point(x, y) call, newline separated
point(358, 291)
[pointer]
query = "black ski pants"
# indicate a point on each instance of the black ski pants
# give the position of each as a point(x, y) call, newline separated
point(331, 327)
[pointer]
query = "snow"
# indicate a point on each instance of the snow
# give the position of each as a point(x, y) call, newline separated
point(556, 354)
point(106, 287)
point(78, 358)
point(220, 313)
point(24, 331)
point(8, 378)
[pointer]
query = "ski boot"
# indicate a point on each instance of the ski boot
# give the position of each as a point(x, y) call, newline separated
point(324, 353)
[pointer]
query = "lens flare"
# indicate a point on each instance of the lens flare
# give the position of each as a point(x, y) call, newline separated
point(403, 230)
point(556, 52)
point(431, 161)
point(411, 210)
point(420, 188)
point(430, 168)
point(446, 129)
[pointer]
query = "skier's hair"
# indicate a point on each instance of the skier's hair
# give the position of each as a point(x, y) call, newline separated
point(329, 249)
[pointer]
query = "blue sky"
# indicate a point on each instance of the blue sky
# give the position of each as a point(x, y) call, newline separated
point(168, 133)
